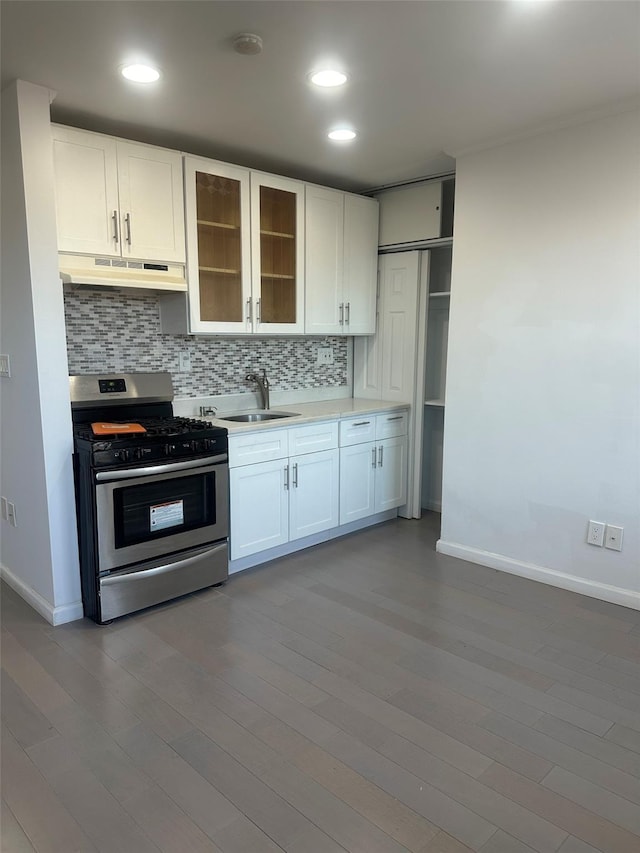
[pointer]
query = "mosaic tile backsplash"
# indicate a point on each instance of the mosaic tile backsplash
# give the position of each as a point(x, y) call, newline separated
point(117, 332)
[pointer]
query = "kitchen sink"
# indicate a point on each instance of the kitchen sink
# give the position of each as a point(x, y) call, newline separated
point(257, 417)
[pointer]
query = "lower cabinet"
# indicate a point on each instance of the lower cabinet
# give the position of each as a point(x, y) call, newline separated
point(281, 500)
point(373, 473)
point(287, 484)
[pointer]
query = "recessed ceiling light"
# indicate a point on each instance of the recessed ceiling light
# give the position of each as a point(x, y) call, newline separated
point(139, 73)
point(328, 77)
point(342, 134)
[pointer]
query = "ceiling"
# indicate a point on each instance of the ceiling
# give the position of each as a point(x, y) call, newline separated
point(427, 79)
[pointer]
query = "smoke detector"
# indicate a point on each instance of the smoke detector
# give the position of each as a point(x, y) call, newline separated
point(248, 44)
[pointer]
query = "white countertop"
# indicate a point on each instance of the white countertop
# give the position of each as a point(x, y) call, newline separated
point(321, 410)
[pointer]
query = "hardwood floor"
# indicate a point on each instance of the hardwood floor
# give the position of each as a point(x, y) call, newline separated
point(365, 695)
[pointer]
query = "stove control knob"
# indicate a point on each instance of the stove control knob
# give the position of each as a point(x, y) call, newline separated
point(171, 449)
point(123, 455)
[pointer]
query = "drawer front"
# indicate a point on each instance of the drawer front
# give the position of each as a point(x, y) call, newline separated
point(247, 449)
point(313, 437)
point(357, 430)
point(391, 424)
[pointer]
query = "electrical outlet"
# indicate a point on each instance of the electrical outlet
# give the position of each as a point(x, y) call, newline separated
point(11, 513)
point(325, 355)
point(613, 537)
point(595, 534)
point(184, 361)
point(5, 509)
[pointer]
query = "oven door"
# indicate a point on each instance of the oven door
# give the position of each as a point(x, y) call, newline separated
point(149, 512)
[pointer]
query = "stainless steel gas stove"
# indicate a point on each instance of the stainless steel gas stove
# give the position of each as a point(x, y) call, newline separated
point(152, 494)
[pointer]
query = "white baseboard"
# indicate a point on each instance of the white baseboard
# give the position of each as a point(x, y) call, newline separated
point(613, 594)
point(300, 544)
point(53, 615)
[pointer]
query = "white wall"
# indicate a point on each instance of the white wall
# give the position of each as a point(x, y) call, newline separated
point(39, 557)
point(542, 427)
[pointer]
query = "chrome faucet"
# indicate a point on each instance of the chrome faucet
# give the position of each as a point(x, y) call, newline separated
point(263, 385)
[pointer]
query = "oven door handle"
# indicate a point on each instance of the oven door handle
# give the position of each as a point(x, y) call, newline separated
point(152, 470)
point(141, 574)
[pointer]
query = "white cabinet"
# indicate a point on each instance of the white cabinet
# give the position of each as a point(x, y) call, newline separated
point(259, 509)
point(245, 252)
point(341, 261)
point(313, 493)
point(373, 473)
point(277, 254)
point(117, 198)
point(217, 200)
point(277, 500)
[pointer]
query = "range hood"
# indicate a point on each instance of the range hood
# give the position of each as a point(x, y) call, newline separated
point(120, 272)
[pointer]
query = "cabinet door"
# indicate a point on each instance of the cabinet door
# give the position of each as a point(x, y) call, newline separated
point(360, 264)
point(259, 516)
point(324, 261)
point(313, 497)
point(151, 202)
point(277, 241)
point(357, 481)
point(391, 473)
point(87, 205)
point(218, 248)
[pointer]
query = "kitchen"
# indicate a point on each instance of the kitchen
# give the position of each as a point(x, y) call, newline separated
point(526, 339)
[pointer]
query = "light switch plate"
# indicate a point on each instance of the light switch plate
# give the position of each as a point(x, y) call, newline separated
point(5, 509)
point(613, 537)
point(5, 366)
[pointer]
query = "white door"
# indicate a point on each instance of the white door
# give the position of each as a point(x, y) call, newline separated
point(313, 497)
point(360, 264)
point(151, 203)
point(399, 325)
point(357, 481)
point(277, 254)
point(87, 204)
point(391, 473)
point(259, 507)
point(324, 261)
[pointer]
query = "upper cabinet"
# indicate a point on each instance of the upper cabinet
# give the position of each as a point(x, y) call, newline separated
point(341, 262)
point(218, 250)
point(245, 233)
point(277, 247)
point(415, 214)
point(117, 198)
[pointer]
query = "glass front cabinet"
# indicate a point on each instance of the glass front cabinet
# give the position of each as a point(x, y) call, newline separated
point(244, 250)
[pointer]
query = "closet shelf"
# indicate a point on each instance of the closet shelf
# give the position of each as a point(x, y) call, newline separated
point(435, 403)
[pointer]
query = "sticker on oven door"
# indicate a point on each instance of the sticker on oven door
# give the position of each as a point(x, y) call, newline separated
point(166, 515)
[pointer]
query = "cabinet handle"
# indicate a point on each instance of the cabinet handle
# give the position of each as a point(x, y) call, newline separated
point(127, 222)
point(286, 478)
point(362, 423)
point(380, 450)
point(342, 313)
point(347, 313)
point(397, 418)
point(116, 236)
point(258, 317)
point(373, 457)
point(295, 475)
point(249, 311)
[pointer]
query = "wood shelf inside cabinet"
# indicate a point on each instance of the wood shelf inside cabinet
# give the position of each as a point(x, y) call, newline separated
point(211, 224)
point(437, 404)
point(219, 270)
point(278, 275)
point(439, 294)
point(277, 234)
